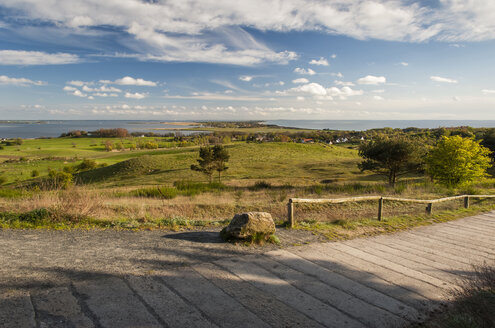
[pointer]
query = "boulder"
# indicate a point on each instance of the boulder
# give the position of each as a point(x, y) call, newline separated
point(246, 225)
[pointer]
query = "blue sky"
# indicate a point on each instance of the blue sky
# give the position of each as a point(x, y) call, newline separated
point(257, 59)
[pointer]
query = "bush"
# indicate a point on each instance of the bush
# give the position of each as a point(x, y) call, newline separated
point(260, 185)
point(35, 173)
point(35, 216)
point(456, 161)
point(2, 180)
point(160, 192)
point(86, 164)
point(60, 179)
point(151, 145)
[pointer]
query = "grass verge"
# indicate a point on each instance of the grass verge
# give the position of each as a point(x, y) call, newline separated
point(473, 305)
point(349, 229)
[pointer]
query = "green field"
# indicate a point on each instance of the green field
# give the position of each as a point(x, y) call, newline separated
point(283, 162)
point(155, 187)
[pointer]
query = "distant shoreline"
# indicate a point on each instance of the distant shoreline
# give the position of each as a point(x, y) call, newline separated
point(182, 123)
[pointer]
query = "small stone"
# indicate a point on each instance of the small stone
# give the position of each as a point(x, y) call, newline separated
point(246, 225)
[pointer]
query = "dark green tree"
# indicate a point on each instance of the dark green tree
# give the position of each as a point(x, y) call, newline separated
point(220, 159)
point(392, 156)
point(489, 141)
point(206, 164)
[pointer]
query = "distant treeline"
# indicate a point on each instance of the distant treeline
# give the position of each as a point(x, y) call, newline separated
point(112, 133)
point(427, 136)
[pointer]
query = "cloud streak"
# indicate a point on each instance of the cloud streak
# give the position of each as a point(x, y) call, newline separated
point(5, 80)
point(212, 31)
point(442, 79)
point(30, 58)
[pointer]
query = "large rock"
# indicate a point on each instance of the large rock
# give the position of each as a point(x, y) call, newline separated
point(246, 225)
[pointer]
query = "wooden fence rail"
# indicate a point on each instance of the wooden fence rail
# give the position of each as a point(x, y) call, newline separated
point(429, 202)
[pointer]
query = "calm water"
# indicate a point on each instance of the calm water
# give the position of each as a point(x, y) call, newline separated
point(32, 129)
point(361, 125)
point(56, 128)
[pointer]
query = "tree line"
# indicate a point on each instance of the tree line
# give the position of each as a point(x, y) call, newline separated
point(452, 161)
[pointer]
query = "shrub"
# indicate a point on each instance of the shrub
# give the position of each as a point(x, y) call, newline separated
point(160, 192)
point(258, 185)
point(35, 215)
point(151, 145)
point(2, 180)
point(108, 145)
point(456, 161)
point(35, 173)
point(60, 179)
point(86, 164)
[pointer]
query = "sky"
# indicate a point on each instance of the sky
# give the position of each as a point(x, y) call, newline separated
point(247, 60)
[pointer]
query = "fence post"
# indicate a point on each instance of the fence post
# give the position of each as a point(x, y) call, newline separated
point(429, 208)
point(466, 202)
point(380, 208)
point(290, 213)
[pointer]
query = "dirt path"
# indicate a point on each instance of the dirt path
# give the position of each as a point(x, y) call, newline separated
point(192, 279)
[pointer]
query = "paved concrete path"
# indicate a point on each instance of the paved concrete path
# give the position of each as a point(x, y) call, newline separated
point(148, 279)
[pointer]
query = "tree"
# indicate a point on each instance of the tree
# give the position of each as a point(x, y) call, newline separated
point(205, 162)
point(391, 156)
point(455, 161)
point(212, 159)
point(489, 141)
point(220, 159)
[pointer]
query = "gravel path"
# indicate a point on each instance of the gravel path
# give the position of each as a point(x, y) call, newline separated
point(192, 279)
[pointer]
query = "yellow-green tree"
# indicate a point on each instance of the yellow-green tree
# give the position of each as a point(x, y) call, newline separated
point(455, 161)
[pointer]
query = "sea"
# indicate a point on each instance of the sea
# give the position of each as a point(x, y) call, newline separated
point(54, 128)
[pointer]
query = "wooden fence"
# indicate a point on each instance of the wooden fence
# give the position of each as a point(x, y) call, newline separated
point(429, 202)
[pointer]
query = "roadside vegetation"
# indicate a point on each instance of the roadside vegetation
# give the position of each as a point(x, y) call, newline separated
point(112, 179)
point(472, 305)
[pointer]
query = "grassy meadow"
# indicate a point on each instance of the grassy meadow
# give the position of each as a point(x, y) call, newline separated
point(155, 188)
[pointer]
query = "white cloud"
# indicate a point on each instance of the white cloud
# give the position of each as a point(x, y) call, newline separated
point(311, 88)
point(105, 88)
point(69, 88)
point(320, 92)
point(372, 80)
point(338, 74)
point(303, 71)
point(377, 97)
point(212, 31)
point(77, 83)
point(136, 95)
point(78, 93)
point(343, 83)
point(321, 62)
point(5, 80)
point(442, 79)
point(300, 80)
point(344, 92)
point(378, 91)
point(28, 58)
point(127, 80)
point(404, 64)
point(333, 56)
point(245, 78)
point(488, 91)
point(300, 98)
point(455, 98)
